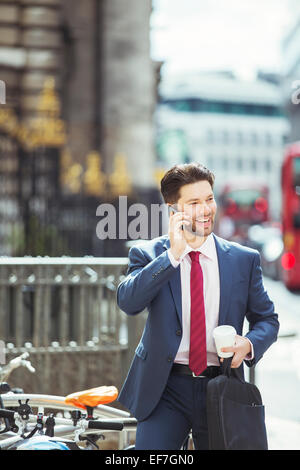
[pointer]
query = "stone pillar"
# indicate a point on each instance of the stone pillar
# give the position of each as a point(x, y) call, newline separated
point(41, 37)
point(10, 69)
point(80, 26)
point(10, 38)
point(9, 23)
point(128, 89)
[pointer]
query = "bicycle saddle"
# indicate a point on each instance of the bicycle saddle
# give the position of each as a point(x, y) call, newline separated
point(92, 397)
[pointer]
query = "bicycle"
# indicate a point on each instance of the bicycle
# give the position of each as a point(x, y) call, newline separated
point(57, 432)
point(42, 435)
point(24, 430)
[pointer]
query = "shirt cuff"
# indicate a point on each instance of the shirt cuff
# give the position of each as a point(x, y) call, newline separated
point(173, 261)
point(250, 356)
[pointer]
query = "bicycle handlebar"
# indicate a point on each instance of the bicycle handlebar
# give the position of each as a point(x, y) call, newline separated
point(112, 426)
point(7, 414)
point(104, 425)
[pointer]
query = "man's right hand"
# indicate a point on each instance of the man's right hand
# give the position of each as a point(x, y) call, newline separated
point(176, 234)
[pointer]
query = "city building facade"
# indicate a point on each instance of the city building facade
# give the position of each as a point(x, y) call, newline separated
point(235, 128)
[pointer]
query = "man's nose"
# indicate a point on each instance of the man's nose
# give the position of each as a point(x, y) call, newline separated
point(204, 209)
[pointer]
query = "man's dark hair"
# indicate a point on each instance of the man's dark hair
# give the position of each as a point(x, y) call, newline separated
point(179, 175)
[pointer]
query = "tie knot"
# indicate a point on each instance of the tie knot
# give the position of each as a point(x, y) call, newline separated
point(194, 255)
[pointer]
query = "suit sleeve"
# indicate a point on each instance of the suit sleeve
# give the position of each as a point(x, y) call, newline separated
point(143, 280)
point(263, 321)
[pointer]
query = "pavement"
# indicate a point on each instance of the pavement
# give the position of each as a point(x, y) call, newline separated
point(277, 374)
point(283, 434)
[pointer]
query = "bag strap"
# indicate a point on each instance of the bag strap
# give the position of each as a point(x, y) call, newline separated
point(227, 370)
point(225, 366)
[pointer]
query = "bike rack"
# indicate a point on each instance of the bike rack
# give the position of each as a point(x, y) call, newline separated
point(65, 426)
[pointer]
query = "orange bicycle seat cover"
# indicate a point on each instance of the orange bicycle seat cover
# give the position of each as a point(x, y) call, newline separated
point(92, 397)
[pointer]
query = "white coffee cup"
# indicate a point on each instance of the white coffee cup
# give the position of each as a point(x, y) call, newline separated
point(224, 337)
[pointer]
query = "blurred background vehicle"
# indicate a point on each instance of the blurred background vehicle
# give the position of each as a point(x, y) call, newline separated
point(267, 239)
point(290, 182)
point(245, 204)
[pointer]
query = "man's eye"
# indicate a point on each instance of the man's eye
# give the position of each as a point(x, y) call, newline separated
point(197, 203)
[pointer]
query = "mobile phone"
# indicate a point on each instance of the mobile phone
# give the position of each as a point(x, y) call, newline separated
point(189, 227)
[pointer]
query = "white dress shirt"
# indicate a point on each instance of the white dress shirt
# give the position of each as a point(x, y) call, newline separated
point(211, 286)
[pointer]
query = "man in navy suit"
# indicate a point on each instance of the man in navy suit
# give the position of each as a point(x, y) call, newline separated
point(162, 389)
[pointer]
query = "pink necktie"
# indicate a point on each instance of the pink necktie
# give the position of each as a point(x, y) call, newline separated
point(198, 354)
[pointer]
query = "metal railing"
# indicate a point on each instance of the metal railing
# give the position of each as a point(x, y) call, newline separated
point(67, 305)
point(61, 302)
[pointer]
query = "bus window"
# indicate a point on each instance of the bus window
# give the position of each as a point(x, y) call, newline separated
point(296, 171)
point(296, 220)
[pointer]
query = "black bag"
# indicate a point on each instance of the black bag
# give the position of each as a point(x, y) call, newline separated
point(235, 413)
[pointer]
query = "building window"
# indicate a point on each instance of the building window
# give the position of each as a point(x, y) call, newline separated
point(254, 164)
point(225, 137)
point(285, 139)
point(268, 165)
point(240, 137)
point(239, 164)
point(254, 138)
point(268, 139)
point(225, 163)
point(210, 136)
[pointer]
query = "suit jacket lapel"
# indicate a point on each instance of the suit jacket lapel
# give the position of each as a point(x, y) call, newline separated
point(225, 273)
point(175, 286)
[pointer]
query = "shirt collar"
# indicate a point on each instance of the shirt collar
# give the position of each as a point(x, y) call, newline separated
point(207, 248)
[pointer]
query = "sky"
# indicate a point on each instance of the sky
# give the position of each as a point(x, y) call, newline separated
point(239, 35)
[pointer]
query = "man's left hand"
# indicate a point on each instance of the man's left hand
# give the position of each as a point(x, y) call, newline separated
point(241, 349)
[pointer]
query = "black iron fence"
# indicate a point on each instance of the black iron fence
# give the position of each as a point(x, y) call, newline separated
point(63, 308)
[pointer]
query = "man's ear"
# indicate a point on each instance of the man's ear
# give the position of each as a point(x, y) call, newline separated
point(170, 209)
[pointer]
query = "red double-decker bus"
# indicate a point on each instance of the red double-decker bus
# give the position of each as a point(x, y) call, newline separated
point(242, 205)
point(290, 183)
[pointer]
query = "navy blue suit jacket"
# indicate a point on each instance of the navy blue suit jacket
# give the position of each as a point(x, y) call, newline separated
point(153, 283)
